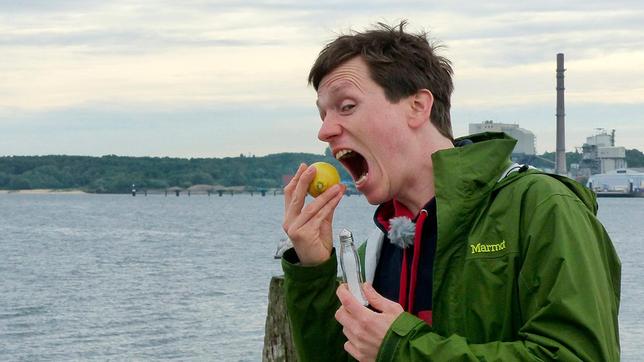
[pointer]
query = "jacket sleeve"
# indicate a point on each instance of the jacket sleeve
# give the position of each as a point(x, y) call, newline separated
point(568, 290)
point(311, 302)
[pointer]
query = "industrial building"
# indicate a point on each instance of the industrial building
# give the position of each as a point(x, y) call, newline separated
point(525, 139)
point(618, 183)
point(604, 165)
point(600, 155)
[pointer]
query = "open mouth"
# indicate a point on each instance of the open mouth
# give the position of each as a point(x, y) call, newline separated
point(354, 163)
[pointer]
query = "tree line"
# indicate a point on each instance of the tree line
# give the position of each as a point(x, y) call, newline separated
point(634, 158)
point(117, 174)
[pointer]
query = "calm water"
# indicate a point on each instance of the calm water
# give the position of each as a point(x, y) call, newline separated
point(113, 277)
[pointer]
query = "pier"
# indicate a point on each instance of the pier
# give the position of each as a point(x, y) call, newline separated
point(217, 190)
point(209, 190)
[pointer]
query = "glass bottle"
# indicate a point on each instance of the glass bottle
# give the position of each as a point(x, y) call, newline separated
point(350, 264)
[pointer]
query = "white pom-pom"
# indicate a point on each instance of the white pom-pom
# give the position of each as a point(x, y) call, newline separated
point(402, 231)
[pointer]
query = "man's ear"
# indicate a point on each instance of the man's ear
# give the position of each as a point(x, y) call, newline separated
point(421, 107)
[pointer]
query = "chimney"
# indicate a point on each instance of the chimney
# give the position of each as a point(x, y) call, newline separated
point(560, 159)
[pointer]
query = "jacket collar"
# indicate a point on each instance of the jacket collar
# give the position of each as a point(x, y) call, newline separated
point(471, 171)
point(464, 177)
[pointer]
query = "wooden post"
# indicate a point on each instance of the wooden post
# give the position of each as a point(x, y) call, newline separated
point(278, 344)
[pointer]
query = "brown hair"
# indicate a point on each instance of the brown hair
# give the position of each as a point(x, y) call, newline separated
point(401, 63)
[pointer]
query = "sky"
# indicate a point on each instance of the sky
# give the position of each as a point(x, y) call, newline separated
point(197, 78)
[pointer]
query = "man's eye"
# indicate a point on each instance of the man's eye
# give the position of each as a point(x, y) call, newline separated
point(347, 107)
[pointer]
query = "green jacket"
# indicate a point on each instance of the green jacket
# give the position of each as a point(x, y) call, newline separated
point(523, 271)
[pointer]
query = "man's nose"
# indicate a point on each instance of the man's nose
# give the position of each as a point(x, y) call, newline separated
point(330, 128)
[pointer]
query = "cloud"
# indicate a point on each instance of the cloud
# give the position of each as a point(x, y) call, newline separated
point(581, 121)
point(112, 65)
point(187, 132)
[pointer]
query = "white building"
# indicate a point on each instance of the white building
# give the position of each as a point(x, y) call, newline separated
point(611, 158)
point(525, 139)
point(600, 149)
point(600, 140)
point(620, 181)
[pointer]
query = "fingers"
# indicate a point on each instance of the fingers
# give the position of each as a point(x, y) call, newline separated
point(288, 196)
point(342, 314)
point(364, 329)
point(347, 324)
point(379, 302)
point(353, 326)
point(290, 187)
point(303, 185)
point(334, 199)
point(352, 350)
point(350, 303)
point(317, 211)
point(296, 198)
point(375, 300)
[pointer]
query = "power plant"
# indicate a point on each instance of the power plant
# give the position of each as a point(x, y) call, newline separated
point(526, 141)
point(602, 165)
point(560, 160)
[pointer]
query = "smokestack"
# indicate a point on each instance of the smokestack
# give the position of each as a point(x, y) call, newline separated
point(560, 160)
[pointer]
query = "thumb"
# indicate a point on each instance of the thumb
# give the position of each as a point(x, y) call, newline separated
point(379, 302)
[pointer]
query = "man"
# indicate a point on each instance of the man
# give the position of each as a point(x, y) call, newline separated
point(504, 263)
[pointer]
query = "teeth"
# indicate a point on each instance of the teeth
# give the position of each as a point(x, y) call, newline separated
point(342, 153)
point(362, 178)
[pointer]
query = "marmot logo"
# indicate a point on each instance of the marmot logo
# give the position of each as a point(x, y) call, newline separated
point(487, 248)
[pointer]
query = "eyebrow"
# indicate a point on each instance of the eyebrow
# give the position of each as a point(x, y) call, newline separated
point(333, 89)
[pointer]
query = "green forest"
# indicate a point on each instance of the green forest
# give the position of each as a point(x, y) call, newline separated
point(117, 174)
point(634, 158)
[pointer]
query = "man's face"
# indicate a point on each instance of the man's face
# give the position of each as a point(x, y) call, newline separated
point(364, 130)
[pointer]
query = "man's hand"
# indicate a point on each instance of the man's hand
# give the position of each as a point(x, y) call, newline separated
point(364, 328)
point(310, 227)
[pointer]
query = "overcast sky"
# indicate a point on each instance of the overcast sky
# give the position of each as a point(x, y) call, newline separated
point(197, 78)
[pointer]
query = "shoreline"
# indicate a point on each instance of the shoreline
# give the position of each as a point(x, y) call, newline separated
point(44, 192)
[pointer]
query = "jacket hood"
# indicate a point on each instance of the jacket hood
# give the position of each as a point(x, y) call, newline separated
point(473, 169)
point(483, 160)
point(466, 177)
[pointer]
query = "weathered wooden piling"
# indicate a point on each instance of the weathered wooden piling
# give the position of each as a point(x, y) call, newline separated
point(278, 343)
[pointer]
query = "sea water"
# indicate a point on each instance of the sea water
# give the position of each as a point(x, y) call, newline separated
point(116, 277)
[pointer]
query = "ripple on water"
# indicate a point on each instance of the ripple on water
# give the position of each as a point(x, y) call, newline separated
point(112, 277)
